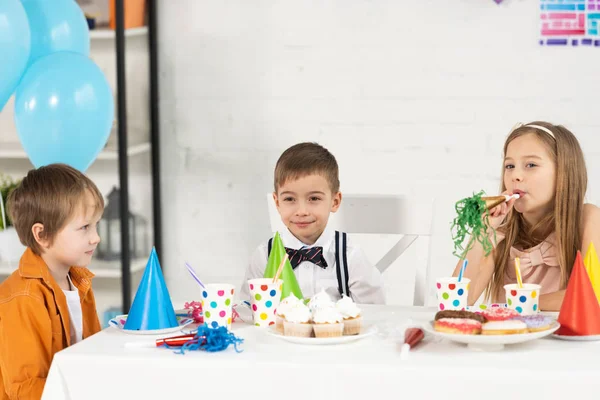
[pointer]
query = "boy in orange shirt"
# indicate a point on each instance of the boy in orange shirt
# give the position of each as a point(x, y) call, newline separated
point(48, 304)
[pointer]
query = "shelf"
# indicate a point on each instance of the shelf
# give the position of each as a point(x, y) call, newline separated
point(15, 151)
point(106, 33)
point(102, 269)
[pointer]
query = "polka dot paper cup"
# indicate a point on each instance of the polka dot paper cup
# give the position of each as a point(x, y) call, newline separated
point(264, 299)
point(524, 300)
point(217, 300)
point(451, 294)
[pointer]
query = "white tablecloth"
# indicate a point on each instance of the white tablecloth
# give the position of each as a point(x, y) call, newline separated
point(102, 367)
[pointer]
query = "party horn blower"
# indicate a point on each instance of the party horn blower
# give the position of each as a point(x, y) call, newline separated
point(493, 201)
point(173, 341)
point(412, 337)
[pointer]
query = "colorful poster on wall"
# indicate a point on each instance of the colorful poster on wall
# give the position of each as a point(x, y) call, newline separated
point(570, 22)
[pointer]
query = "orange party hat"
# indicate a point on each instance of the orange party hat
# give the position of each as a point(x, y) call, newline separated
point(580, 312)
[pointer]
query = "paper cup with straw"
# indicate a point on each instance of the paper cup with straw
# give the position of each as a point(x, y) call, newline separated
point(522, 297)
point(525, 299)
point(452, 294)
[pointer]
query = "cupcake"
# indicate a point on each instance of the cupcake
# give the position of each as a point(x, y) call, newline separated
point(328, 322)
point(285, 305)
point(297, 321)
point(320, 300)
point(351, 314)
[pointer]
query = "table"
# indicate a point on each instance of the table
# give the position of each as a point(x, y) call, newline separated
point(103, 367)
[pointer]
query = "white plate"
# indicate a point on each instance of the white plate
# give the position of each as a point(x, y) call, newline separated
point(366, 331)
point(491, 342)
point(590, 338)
point(119, 322)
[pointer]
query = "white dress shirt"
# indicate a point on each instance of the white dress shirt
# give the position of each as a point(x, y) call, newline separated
point(365, 282)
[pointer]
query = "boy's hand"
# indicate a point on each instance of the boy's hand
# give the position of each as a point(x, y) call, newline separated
point(498, 214)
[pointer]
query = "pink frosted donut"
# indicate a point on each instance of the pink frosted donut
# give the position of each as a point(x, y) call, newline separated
point(461, 326)
point(499, 314)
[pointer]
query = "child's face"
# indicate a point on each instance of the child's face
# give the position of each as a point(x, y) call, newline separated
point(74, 245)
point(530, 171)
point(304, 205)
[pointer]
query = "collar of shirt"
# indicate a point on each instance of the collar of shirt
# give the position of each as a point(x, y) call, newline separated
point(325, 240)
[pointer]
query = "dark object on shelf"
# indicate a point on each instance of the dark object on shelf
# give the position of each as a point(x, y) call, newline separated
point(109, 229)
point(91, 21)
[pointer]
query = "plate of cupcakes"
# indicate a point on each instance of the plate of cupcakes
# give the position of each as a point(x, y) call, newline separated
point(490, 329)
point(320, 322)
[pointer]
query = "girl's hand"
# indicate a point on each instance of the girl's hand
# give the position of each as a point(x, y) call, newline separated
point(498, 213)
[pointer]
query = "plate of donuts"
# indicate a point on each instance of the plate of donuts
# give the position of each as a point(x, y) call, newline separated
point(490, 329)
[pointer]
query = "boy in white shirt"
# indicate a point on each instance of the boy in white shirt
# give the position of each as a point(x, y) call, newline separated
point(306, 192)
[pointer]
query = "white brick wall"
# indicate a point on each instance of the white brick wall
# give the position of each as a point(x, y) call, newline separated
point(411, 96)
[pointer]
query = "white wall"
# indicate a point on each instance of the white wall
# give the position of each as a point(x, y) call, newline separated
point(411, 96)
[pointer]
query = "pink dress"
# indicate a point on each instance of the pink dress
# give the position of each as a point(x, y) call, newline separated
point(538, 265)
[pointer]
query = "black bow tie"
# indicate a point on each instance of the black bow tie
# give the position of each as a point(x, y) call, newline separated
point(312, 254)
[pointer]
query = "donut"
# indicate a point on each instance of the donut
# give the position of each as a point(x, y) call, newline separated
point(462, 326)
point(536, 323)
point(508, 327)
point(499, 314)
point(459, 314)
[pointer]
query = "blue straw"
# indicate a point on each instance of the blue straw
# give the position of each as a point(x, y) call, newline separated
point(462, 270)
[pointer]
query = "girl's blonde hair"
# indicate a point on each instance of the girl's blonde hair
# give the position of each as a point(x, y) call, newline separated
point(565, 221)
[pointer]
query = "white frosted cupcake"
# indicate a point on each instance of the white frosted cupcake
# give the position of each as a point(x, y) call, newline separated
point(328, 322)
point(297, 321)
point(285, 305)
point(351, 314)
point(320, 300)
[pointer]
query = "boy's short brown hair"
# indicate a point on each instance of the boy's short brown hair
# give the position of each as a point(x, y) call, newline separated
point(49, 195)
point(305, 159)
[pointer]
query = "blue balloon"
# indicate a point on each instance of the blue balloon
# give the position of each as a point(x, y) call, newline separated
point(15, 45)
point(64, 110)
point(56, 25)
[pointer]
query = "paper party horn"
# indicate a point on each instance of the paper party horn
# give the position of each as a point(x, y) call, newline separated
point(493, 201)
point(412, 337)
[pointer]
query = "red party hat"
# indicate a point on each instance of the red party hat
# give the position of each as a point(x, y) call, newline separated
point(580, 312)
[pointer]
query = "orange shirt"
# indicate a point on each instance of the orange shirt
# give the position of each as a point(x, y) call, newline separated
point(34, 324)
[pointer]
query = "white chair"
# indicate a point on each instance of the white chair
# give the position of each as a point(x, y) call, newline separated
point(386, 228)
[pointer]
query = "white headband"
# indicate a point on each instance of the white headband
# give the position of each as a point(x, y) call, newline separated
point(520, 125)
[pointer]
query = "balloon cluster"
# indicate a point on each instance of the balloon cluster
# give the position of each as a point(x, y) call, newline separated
point(64, 106)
